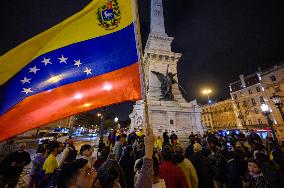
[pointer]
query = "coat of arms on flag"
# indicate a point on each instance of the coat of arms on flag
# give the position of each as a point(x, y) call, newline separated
point(109, 15)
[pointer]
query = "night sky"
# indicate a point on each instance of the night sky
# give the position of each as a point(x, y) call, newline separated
point(218, 39)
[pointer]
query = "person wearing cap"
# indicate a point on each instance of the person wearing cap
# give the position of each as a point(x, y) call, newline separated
point(202, 166)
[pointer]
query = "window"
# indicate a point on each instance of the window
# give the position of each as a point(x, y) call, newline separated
point(244, 104)
point(249, 122)
point(261, 99)
point(259, 121)
point(253, 102)
point(257, 88)
point(171, 121)
point(250, 92)
point(273, 78)
point(235, 96)
point(256, 110)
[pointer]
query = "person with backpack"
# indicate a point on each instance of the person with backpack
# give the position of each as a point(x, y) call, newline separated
point(69, 154)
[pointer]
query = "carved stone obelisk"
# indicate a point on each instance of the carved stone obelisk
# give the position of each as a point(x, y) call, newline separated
point(175, 114)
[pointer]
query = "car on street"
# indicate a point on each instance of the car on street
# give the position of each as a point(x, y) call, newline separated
point(61, 137)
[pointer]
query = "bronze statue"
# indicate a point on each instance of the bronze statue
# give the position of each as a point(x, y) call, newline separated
point(166, 84)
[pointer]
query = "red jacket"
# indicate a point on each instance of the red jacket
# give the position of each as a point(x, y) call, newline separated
point(173, 175)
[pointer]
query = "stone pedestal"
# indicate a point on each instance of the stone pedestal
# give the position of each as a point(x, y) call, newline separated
point(178, 115)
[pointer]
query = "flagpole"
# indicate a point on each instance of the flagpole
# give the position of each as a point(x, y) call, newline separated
point(142, 65)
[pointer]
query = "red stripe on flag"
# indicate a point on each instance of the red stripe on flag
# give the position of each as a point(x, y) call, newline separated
point(42, 108)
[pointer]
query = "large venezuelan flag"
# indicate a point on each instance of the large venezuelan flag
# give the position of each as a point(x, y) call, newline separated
point(89, 60)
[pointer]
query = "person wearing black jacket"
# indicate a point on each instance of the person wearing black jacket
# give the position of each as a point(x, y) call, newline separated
point(234, 173)
point(127, 162)
point(12, 167)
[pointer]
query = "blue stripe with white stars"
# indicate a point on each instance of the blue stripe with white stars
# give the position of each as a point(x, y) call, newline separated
point(70, 64)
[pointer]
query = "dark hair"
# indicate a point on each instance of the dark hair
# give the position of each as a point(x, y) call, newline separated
point(108, 177)
point(178, 157)
point(69, 172)
point(40, 149)
point(255, 162)
point(167, 153)
point(231, 155)
point(105, 152)
point(84, 148)
point(52, 146)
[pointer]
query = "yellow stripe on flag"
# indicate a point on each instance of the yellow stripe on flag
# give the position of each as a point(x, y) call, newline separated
point(82, 26)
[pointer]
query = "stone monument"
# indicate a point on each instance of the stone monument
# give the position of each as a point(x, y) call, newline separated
point(167, 107)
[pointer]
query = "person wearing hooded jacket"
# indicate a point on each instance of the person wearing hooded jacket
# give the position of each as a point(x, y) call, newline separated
point(186, 166)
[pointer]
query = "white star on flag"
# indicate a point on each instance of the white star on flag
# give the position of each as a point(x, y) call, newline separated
point(26, 80)
point(27, 90)
point(63, 59)
point(78, 63)
point(46, 61)
point(88, 71)
point(34, 69)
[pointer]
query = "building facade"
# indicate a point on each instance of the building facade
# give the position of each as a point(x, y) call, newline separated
point(220, 115)
point(273, 81)
point(175, 114)
point(250, 92)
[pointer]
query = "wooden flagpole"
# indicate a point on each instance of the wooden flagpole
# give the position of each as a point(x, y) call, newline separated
point(141, 58)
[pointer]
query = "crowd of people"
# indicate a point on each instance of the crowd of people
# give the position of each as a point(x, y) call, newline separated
point(143, 161)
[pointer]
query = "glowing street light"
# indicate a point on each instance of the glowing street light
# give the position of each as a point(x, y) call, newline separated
point(207, 92)
point(99, 114)
point(116, 119)
point(266, 111)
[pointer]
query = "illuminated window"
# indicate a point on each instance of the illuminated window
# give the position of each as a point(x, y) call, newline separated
point(261, 99)
point(250, 92)
point(273, 78)
point(253, 102)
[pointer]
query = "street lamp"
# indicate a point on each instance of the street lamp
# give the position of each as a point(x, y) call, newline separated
point(266, 111)
point(207, 92)
point(116, 119)
point(101, 115)
point(278, 103)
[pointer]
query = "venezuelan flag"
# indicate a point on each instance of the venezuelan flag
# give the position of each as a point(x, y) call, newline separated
point(88, 61)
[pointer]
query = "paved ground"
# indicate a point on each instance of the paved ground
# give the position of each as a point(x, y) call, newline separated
point(24, 178)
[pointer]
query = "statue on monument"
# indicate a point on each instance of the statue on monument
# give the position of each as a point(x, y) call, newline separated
point(166, 84)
